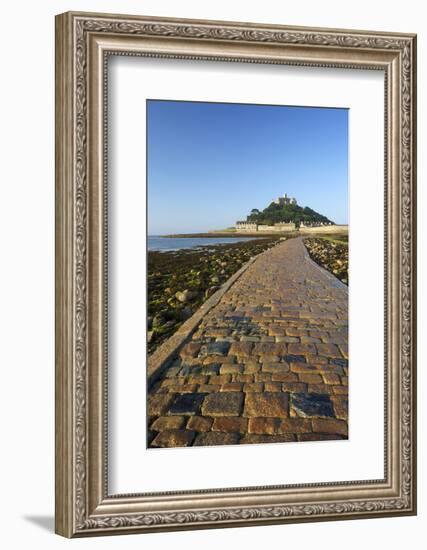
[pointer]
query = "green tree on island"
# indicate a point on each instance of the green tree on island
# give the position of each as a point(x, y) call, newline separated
point(286, 213)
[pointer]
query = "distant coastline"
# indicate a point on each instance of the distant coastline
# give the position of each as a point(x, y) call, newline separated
point(232, 233)
point(216, 234)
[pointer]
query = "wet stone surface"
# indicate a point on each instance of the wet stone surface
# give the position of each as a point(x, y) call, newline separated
point(186, 404)
point(223, 404)
point(311, 405)
point(214, 348)
point(267, 364)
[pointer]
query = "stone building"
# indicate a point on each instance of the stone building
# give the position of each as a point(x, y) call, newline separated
point(254, 227)
point(285, 200)
point(246, 226)
point(277, 227)
point(315, 224)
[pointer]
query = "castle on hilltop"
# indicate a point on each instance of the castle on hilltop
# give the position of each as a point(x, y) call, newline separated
point(285, 200)
point(277, 218)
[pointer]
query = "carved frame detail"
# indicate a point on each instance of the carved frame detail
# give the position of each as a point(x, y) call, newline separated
point(83, 506)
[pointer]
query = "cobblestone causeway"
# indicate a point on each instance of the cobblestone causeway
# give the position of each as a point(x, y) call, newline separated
point(269, 363)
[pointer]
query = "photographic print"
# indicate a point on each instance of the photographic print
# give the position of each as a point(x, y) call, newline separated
point(208, 178)
point(247, 273)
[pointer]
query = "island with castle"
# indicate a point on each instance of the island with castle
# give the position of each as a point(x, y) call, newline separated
point(283, 214)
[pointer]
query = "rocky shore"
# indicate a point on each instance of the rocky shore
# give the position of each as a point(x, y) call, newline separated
point(180, 281)
point(331, 254)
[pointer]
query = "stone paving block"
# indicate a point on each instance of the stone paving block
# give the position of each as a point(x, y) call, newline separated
point(295, 359)
point(328, 350)
point(253, 387)
point(287, 339)
point(177, 381)
point(319, 334)
point(174, 438)
point(185, 388)
point(158, 404)
point(233, 424)
point(301, 349)
point(228, 359)
point(340, 362)
point(276, 331)
point(329, 369)
point(172, 372)
point(335, 340)
point(266, 404)
point(232, 386)
point(331, 378)
point(262, 376)
point(344, 350)
point(209, 370)
point(186, 404)
point(293, 331)
point(189, 370)
point(310, 378)
point(221, 379)
point(190, 350)
point(213, 360)
point(320, 388)
point(263, 425)
point(199, 423)
point(198, 379)
point(231, 369)
point(311, 405)
point(340, 390)
point(241, 349)
point(269, 349)
point(294, 387)
point(214, 348)
point(223, 404)
point(317, 359)
point(216, 438)
point(340, 403)
point(310, 340)
point(168, 423)
point(251, 366)
point(285, 377)
point(277, 368)
point(294, 425)
point(330, 426)
point(157, 389)
point(304, 368)
point(272, 386)
point(243, 378)
point(209, 388)
point(267, 357)
point(216, 332)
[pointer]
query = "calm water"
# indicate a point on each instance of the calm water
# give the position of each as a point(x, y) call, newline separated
point(166, 244)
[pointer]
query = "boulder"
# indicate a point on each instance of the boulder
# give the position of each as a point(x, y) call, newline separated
point(185, 295)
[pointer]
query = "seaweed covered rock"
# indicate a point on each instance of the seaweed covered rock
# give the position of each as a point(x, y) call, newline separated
point(180, 281)
point(331, 255)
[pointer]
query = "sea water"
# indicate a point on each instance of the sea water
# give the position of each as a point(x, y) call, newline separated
point(167, 244)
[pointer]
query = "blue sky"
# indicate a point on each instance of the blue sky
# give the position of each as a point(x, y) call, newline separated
point(209, 164)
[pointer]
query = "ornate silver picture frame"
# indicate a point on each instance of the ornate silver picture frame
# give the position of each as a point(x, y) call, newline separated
point(84, 505)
